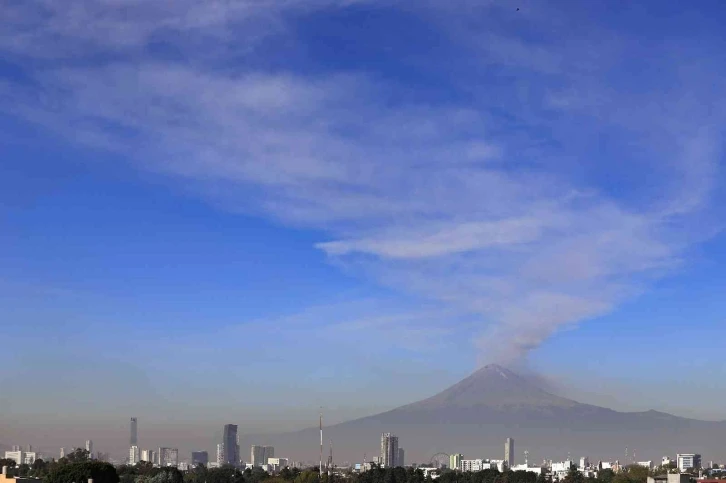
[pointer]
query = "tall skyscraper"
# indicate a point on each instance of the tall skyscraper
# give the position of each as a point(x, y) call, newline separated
point(200, 457)
point(133, 440)
point(389, 450)
point(509, 452)
point(257, 455)
point(231, 446)
point(89, 447)
point(401, 458)
point(134, 455)
point(455, 461)
point(62, 452)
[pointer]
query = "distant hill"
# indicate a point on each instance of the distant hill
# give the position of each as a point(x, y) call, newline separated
point(477, 414)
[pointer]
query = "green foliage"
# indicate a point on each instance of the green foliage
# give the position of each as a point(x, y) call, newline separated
point(225, 474)
point(574, 476)
point(605, 476)
point(77, 456)
point(80, 472)
point(7, 462)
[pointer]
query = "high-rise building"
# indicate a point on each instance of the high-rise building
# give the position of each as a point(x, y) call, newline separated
point(455, 461)
point(688, 461)
point(89, 447)
point(168, 457)
point(231, 446)
point(509, 452)
point(389, 450)
point(200, 457)
point(16, 447)
point(133, 440)
point(257, 455)
point(269, 453)
point(401, 457)
point(147, 455)
point(62, 452)
point(134, 455)
point(220, 454)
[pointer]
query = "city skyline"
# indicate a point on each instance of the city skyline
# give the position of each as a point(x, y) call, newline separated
point(245, 211)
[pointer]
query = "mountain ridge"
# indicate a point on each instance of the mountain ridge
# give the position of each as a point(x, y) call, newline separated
point(475, 416)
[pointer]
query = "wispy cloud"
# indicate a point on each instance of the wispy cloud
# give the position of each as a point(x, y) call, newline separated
point(480, 213)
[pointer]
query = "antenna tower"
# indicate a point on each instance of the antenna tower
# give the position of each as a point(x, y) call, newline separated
point(321, 445)
point(526, 458)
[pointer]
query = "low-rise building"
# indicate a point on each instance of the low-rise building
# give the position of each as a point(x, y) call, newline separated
point(7, 476)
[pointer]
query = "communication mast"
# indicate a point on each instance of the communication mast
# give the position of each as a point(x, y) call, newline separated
point(526, 458)
point(321, 445)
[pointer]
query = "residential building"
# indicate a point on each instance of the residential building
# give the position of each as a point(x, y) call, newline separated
point(200, 457)
point(62, 452)
point(133, 438)
point(231, 445)
point(134, 455)
point(455, 461)
point(389, 450)
point(401, 458)
point(89, 447)
point(584, 462)
point(168, 457)
point(509, 452)
point(688, 461)
point(16, 456)
point(220, 454)
point(16, 447)
point(257, 455)
point(666, 461)
point(29, 457)
point(645, 464)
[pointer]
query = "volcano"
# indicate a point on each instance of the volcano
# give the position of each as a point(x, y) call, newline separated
point(476, 415)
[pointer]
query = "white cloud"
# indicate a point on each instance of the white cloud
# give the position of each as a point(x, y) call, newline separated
point(447, 201)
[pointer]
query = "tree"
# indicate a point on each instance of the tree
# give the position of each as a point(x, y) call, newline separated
point(167, 475)
point(605, 476)
point(574, 476)
point(77, 455)
point(82, 471)
point(7, 462)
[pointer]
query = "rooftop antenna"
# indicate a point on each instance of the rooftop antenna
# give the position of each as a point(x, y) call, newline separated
point(321, 444)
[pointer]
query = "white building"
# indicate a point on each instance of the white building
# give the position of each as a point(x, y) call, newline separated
point(134, 455)
point(147, 455)
point(16, 456)
point(220, 454)
point(389, 450)
point(645, 464)
point(29, 457)
point(666, 461)
point(455, 461)
point(532, 469)
point(277, 464)
point(560, 470)
point(584, 462)
point(688, 461)
point(476, 465)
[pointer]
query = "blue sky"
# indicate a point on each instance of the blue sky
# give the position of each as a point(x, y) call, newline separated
point(242, 210)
